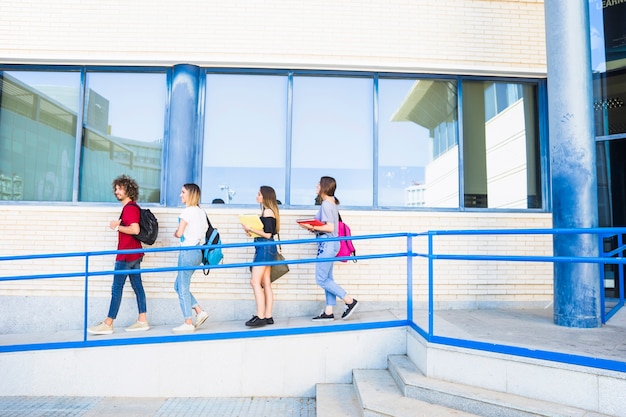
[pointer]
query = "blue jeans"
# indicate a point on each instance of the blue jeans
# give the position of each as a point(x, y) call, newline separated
point(324, 272)
point(118, 287)
point(183, 280)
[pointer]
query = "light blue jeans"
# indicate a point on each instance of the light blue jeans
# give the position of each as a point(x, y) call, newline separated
point(324, 271)
point(183, 280)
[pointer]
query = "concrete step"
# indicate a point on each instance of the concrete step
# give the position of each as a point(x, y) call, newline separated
point(414, 384)
point(337, 400)
point(380, 396)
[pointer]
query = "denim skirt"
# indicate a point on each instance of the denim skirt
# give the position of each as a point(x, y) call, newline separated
point(264, 253)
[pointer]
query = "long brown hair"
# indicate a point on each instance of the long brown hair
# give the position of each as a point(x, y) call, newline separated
point(270, 202)
point(328, 186)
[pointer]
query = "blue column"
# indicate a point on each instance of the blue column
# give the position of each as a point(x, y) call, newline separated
point(183, 148)
point(573, 161)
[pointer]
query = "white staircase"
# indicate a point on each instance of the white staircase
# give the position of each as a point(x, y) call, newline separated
point(402, 390)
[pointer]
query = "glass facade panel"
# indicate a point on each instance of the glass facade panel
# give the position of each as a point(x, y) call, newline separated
point(501, 153)
point(123, 132)
point(38, 116)
point(332, 135)
point(608, 63)
point(278, 129)
point(418, 152)
point(244, 137)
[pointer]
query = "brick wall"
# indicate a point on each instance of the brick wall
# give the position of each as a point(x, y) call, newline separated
point(59, 229)
point(452, 36)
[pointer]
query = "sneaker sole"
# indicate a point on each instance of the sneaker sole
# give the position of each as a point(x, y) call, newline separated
point(138, 329)
point(183, 331)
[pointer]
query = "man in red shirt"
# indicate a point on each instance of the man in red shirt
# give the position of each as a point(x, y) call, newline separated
point(126, 191)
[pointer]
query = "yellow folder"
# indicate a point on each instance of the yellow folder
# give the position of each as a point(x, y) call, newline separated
point(253, 221)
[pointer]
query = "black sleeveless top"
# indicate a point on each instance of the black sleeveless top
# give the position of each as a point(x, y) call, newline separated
point(269, 225)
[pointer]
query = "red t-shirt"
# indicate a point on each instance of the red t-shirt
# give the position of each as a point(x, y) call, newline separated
point(130, 215)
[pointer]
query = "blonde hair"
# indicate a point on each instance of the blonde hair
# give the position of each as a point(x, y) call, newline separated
point(194, 194)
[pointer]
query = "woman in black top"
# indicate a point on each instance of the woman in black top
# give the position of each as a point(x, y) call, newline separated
point(260, 279)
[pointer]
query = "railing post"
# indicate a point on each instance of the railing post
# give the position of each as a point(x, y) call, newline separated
point(431, 292)
point(86, 300)
point(409, 278)
point(620, 242)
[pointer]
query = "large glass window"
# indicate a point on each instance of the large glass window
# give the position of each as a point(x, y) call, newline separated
point(123, 131)
point(244, 137)
point(418, 143)
point(38, 116)
point(332, 135)
point(501, 145)
point(391, 141)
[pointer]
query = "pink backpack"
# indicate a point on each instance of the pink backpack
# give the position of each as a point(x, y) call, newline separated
point(346, 248)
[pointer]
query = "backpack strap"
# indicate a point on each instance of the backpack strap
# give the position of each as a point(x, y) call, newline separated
point(213, 237)
point(131, 203)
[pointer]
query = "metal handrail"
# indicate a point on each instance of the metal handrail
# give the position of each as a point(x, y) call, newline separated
point(87, 273)
point(430, 335)
point(602, 258)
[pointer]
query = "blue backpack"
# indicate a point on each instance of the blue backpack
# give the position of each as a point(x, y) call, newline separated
point(211, 255)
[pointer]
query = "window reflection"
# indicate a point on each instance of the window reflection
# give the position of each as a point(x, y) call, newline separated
point(122, 133)
point(249, 127)
point(38, 116)
point(418, 143)
point(501, 145)
point(244, 137)
point(332, 135)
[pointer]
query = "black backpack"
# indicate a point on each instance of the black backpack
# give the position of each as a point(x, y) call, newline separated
point(148, 226)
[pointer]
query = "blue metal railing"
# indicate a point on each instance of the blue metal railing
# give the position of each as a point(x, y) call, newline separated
point(614, 256)
point(617, 252)
point(146, 339)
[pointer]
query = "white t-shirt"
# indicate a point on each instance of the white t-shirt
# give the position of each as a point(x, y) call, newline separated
point(197, 226)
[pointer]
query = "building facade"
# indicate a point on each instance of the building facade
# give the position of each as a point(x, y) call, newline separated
point(430, 115)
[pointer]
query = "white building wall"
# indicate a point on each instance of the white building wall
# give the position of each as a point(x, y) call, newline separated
point(452, 36)
point(507, 169)
point(441, 186)
point(499, 37)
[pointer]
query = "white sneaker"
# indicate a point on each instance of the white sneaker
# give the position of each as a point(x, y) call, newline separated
point(201, 318)
point(184, 328)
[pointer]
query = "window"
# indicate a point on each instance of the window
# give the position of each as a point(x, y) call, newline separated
point(332, 136)
point(501, 145)
point(123, 133)
point(38, 116)
point(390, 140)
point(244, 137)
point(418, 152)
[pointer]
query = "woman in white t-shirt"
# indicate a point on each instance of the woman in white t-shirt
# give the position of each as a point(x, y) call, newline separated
point(192, 227)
